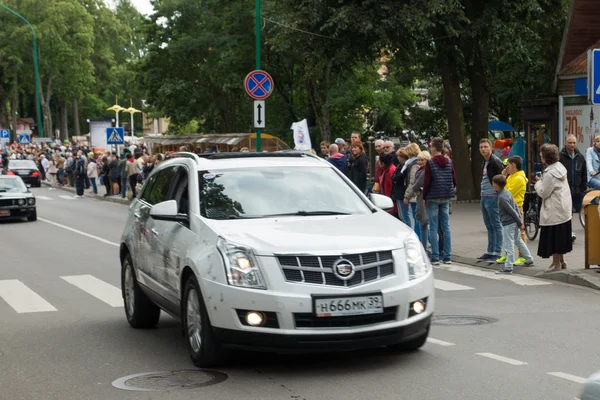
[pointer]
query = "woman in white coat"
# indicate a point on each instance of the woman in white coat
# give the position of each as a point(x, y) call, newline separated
point(555, 215)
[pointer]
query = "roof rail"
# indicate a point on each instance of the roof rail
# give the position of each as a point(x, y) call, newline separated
point(184, 154)
point(277, 154)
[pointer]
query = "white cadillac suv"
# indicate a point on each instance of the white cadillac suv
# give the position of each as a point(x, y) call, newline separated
point(273, 252)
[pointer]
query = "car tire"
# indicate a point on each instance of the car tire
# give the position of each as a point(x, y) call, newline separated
point(411, 345)
point(32, 216)
point(140, 311)
point(203, 346)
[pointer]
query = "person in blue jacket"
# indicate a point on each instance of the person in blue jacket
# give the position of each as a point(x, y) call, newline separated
point(337, 159)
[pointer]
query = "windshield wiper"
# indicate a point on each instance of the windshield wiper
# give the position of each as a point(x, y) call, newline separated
point(309, 213)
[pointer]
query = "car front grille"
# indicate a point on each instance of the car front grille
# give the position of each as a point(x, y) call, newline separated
point(308, 320)
point(9, 202)
point(318, 270)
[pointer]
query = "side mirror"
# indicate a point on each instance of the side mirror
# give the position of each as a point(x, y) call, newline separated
point(167, 211)
point(381, 201)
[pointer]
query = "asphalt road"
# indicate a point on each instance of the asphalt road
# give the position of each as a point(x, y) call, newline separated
point(63, 333)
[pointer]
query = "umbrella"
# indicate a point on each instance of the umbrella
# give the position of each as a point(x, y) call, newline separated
point(496, 125)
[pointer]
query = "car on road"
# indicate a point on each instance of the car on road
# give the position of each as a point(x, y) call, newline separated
point(16, 201)
point(276, 252)
point(27, 170)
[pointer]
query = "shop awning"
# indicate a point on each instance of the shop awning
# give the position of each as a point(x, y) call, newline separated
point(499, 126)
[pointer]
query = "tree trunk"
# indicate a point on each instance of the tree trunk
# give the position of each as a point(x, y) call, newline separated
point(465, 190)
point(14, 106)
point(64, 121)
point(320, 109)
point(47, 114)
point(76, 126)
point(481, 109)
point(453, 101)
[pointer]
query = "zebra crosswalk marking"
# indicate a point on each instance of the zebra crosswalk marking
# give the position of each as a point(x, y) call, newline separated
point(22, 299)
point(101, 290)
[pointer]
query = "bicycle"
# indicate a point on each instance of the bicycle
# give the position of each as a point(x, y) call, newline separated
point(531, 210)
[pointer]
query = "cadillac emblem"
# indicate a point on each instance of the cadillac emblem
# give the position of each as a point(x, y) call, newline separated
point(343, 269)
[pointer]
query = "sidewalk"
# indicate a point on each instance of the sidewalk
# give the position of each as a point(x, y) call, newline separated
point(88, 193)
point(469, 241)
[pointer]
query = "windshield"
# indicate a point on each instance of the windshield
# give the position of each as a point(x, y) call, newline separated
point(21, 164)
point(268, 192)
point(12, 185)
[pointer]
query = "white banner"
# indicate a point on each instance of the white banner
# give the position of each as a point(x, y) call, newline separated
point(301, 136)
point(584, 123)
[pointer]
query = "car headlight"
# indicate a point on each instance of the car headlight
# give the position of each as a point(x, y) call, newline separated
point(31, 201)
point(416, 259)
point(240, 265)
point(22, 202)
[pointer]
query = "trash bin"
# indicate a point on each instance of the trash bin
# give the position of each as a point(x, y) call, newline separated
point(592, 228)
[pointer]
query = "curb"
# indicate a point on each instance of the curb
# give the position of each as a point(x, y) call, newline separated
point(117, 200)
point(573, 277)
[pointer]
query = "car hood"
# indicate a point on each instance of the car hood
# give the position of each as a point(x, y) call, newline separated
point(324, 235)
point(14, 195)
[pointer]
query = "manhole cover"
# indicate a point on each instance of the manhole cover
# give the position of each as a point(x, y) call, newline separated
point(462, 320)
point(169, 380)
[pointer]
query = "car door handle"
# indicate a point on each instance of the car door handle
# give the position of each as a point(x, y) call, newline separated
point(154, 231)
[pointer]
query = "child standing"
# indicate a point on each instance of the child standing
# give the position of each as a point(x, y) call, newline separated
point(516, 184)
point(511, 220)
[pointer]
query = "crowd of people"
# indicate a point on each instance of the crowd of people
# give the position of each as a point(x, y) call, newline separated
point(421, 183)
point(77, 165)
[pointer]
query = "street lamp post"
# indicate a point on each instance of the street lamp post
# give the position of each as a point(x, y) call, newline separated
point(37, 74)
point(131, 111)
point(117, 109)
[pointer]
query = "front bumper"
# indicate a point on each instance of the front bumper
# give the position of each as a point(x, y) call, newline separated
point(17, 212)
point(296, 327)
point(321, 342)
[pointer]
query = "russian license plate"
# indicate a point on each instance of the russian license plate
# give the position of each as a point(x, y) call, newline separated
point(350, 305)
point(4, 213)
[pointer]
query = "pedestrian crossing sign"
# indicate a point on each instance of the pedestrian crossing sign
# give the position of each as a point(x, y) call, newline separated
point(115, 136)
point(24, 138)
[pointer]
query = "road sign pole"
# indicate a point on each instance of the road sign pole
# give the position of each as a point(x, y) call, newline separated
point(258, 144)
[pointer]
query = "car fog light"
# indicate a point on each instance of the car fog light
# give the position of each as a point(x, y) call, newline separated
point(418, 307)
point(255, 318)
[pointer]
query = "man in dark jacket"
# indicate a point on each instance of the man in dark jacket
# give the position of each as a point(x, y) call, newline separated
point(438, 190)
point(492, 166)
point(574, 162)
point(337, 159)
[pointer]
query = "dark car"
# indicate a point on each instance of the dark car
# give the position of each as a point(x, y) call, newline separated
point(16, 201)
point(27, 170)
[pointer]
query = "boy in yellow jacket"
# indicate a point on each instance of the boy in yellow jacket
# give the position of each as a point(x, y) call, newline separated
point(516, 184)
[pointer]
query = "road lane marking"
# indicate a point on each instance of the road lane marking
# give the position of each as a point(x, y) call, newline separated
point(21, 298)
point(101, 290)
point(449, 286)
point(440, 342)
point(502, 359)
point(44, 198)
point(569, 377)
point(79, 232)
point(516, 279)
point(62, 196)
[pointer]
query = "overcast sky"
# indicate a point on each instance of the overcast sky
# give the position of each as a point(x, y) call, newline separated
point(143, 5)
